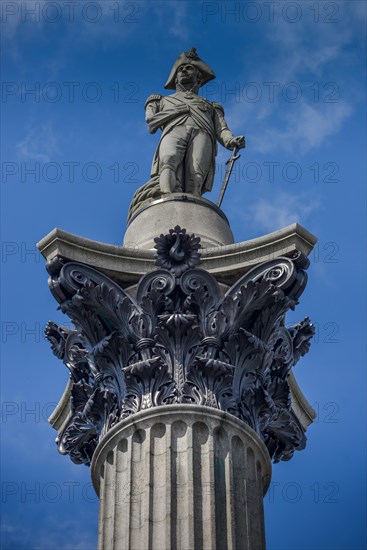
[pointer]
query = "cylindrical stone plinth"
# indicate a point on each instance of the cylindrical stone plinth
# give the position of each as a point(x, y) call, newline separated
point(181, 477)
point(195, 214)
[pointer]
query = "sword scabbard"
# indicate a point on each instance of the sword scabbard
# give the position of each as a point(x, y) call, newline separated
point(230, 162)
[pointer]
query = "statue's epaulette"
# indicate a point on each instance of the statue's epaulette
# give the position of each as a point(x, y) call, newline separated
point(217, 105)
point(153, 97)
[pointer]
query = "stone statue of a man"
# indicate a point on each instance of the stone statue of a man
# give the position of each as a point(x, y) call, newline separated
point(191, 126)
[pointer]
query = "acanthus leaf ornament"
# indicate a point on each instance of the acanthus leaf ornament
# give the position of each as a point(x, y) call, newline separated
point(180, 341)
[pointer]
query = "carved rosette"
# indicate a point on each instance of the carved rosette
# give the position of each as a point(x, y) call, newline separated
point(180, 341)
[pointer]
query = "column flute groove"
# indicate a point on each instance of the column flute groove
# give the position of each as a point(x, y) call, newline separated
point(184, 468)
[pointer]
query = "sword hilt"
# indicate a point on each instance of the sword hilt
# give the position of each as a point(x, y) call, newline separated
point(232, 158)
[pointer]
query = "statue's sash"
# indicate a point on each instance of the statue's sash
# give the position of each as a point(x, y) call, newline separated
point(196, 112)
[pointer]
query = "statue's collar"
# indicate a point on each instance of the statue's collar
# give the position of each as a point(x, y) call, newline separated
point(186, 95)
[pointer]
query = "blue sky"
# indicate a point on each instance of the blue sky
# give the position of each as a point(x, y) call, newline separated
point(291, 78)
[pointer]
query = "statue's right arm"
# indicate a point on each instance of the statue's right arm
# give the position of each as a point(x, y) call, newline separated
point(151, 108)
point(156, 117)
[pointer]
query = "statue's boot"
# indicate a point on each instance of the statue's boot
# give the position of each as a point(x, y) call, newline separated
point(194, 184)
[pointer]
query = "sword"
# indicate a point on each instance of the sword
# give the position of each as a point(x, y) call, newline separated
point(230, 162)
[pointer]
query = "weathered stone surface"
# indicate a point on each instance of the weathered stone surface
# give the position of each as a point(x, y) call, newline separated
point(126, 265)
point(191, 125)
point(181, 478)
point(201, 216)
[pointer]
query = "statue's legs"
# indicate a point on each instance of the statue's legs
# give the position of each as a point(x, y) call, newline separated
point(198, 161)
point(172, 151)
point(167, 180)
point(192, 147)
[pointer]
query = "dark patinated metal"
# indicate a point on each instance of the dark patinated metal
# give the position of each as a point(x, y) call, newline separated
point(180, 341)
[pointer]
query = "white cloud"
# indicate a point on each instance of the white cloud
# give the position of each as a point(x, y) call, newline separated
point(282, 210)
point(173, 17)
point(305, 53)
point(304, 128)
point(102, 22)
point(39, 144)
point(15, 15)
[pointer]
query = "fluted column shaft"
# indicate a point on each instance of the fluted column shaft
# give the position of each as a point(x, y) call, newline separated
point(181, 478)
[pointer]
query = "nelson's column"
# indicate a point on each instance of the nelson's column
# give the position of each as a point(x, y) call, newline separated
point(181, 391)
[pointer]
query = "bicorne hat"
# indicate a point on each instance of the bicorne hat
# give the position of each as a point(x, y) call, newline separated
point(189, 58)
